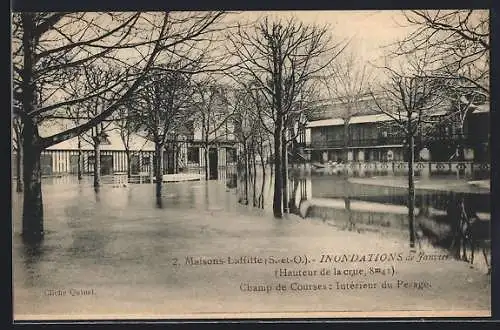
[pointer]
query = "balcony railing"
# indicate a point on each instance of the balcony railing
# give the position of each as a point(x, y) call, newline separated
point(356, 142)
point(469, 140)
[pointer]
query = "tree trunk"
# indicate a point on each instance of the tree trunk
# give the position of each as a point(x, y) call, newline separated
point(345, 148)
point(278, 178)
point(207, 165)
point(176, 157)
point(461, 150)
point(293, 203)
point(284, 172)
point(79, 165)
point(347, 186)
point(245, 151)
point(159, 202)
point(454, 216)
point(347, 204)
point(97, 163)
point(19, 167)
point(254, 178)
point(239, 174)
point(263, 165)
point(33, 205)
point(411, 190)
point(271, 164)
point(129, 167)
point(32, 175)
point(18, 148)
point(158, 168)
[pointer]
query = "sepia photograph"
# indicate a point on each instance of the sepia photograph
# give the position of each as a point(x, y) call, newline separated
point(171, 165)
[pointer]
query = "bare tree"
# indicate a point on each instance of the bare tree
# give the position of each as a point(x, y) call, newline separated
point(409, 98)
point(459, 43)
point(245, 119)
point(127, 125)
point(463, 100)
point(76, 115)
point(264, 146)
point(94, 78)
point(347, 84)
point(280, 58)
point(253, 140)
point(17, 140)
point(212, 115)
point(164, 108)
point(48, 48)
point(306, 102)
point(460, 40)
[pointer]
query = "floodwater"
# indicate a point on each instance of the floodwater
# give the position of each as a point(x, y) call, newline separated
point(118, 253)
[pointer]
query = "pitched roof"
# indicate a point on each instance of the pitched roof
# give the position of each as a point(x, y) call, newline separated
point(137, 142)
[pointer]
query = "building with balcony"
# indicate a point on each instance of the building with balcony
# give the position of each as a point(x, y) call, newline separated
point(374, 137)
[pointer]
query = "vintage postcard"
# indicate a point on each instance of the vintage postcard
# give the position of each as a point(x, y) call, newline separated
point(215, 165)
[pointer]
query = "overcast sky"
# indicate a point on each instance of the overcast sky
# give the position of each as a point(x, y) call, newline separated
point(369, 29)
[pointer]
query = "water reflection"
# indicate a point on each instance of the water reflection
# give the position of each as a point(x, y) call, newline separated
point(159, 202)
point(379, 202)
point(303, 186)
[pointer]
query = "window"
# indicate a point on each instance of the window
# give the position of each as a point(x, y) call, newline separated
point(193, 154)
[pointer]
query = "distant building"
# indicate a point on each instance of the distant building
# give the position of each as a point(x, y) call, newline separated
point(220, 149)
point(62, 158)
point(374, 137)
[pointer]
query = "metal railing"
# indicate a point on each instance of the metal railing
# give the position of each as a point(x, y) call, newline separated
point(468, 169)
point(469, 140)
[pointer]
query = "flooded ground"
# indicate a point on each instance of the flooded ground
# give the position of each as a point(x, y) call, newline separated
point(118, 254)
